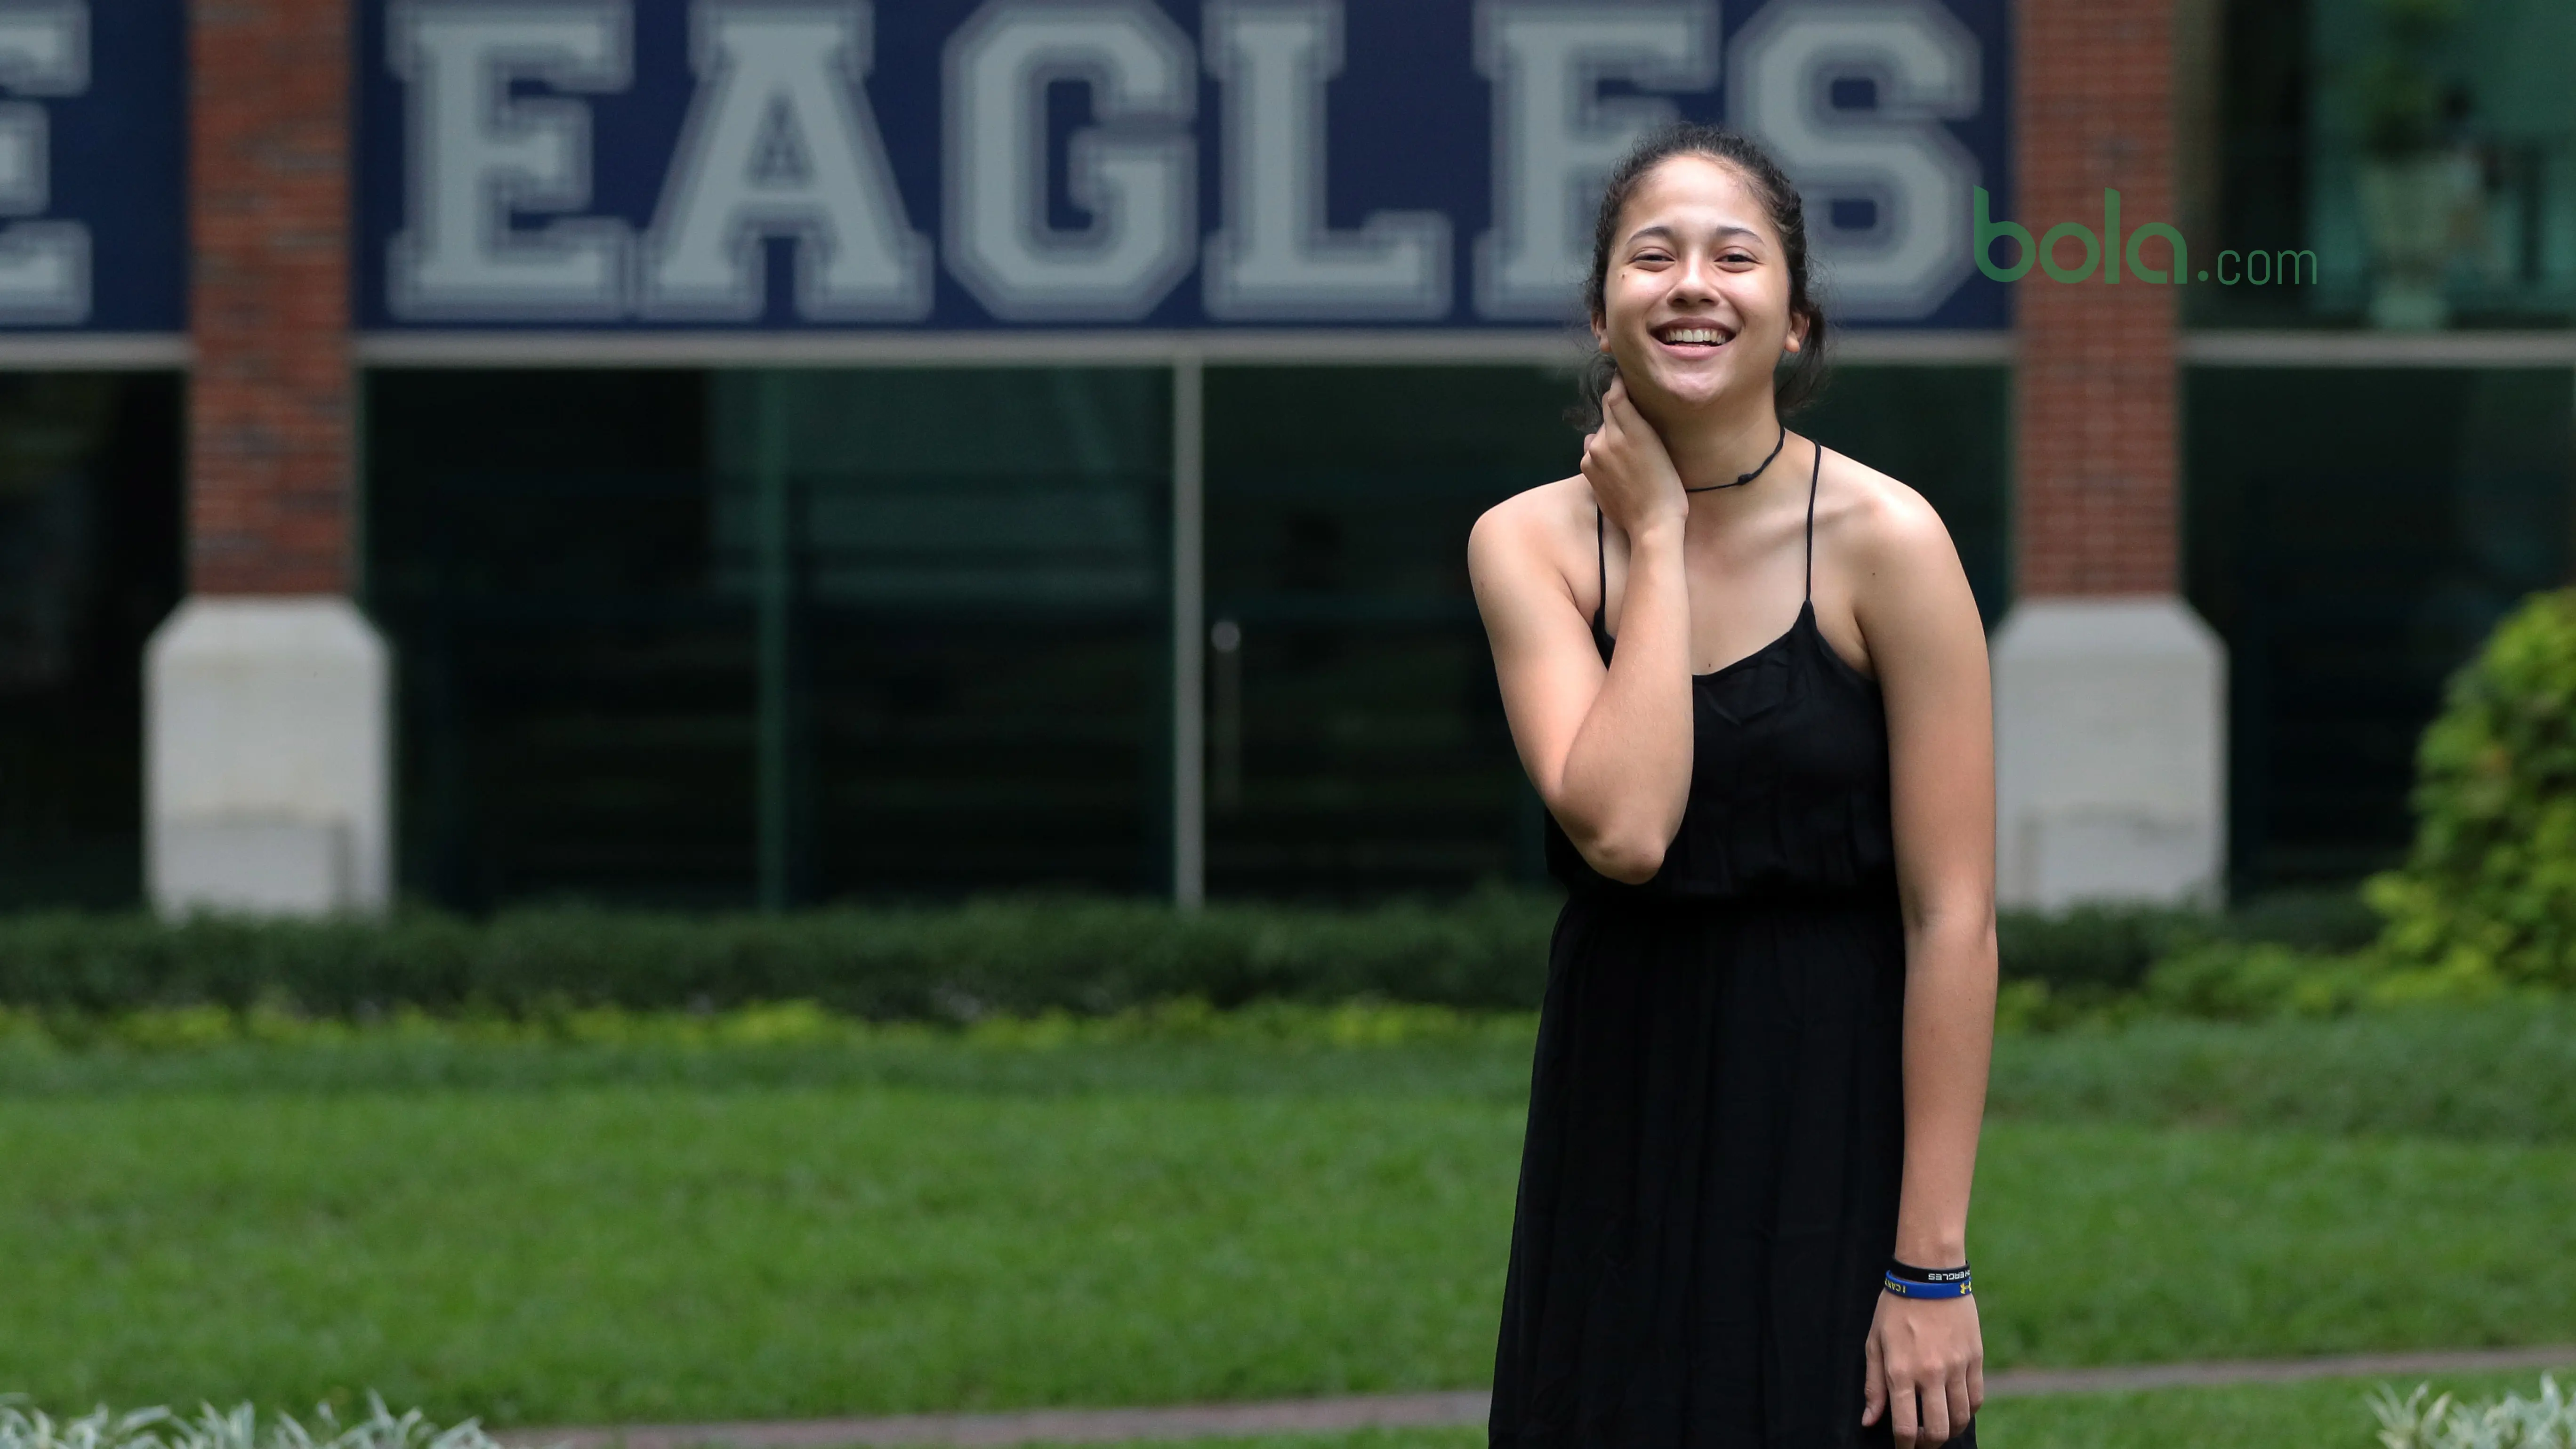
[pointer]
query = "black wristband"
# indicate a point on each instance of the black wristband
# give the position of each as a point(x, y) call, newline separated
point(1911, 1274)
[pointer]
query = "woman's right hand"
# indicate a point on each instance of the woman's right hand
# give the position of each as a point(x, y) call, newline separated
point(1632, 477)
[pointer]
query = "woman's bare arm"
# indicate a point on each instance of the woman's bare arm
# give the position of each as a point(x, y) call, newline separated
point(1915, 609)
point(1608, 749)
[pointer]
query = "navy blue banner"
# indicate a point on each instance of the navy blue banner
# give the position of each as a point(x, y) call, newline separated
point(93, 216)
point(970, 164)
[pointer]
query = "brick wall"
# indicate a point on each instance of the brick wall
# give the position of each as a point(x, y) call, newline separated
point(270, 451)
point(2095, 408)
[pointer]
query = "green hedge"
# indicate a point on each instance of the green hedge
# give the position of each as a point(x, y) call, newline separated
point(1008, 955)
point(1015, 956)
point(2488, 893)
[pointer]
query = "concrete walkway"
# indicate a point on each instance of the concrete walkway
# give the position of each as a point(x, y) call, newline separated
point(1465, 1406)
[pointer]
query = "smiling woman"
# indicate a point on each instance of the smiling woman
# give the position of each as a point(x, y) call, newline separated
point(1742, 1213)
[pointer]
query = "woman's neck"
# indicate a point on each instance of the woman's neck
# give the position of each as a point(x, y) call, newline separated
point(1719, 445)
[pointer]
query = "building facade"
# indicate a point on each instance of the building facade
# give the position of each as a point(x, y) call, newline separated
point(731, 452)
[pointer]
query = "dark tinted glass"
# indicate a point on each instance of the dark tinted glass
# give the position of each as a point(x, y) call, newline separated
point(977, 657)
point(1356, 737)
point(574, 697)
point(711, 638)
point(2354, 534)
point(89, 563)
point(2381, 165)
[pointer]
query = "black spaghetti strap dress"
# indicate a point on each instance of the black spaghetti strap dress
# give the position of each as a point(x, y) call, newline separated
point(1708, 1184)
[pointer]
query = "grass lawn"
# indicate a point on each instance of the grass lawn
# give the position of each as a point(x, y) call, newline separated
point(647, 1253)
point(2505, 1072)
point(2121, 1244)
point(563, 1235)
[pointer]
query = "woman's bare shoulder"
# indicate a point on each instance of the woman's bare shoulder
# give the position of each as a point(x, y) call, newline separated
point(1534, 526)
point(1876, 518)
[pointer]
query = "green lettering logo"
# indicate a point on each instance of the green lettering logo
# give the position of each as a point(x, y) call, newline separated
point(1988, 231)
point(2108, 249)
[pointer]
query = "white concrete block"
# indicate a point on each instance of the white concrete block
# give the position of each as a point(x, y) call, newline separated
point(2110, 753)
point(268, 758)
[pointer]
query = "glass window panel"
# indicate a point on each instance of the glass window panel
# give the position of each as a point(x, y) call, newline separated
point(979, 651)
point(2354, 534)
point(90, 563)
point(2427, 164)
point(1356, 738)
point(969, 611)
point(575, 699)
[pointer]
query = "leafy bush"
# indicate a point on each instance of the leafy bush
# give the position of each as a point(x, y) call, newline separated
point(1347, 1025)
point(2284, 953)
point(2324, 920)
point(2096, 949)
point(2512, 1422)
point(1011, 957)
point(2241, 980)
point(1017, 957)
point(2488, 892)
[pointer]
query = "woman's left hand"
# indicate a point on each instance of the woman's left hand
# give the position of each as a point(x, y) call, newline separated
point(1927, 1368)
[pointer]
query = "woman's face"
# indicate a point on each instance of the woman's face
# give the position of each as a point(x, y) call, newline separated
point(1696, 303)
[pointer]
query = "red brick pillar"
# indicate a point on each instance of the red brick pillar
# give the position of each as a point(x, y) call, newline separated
point(2095, 392)
point(267, 695)
point(2110, 693)
point(270, 452)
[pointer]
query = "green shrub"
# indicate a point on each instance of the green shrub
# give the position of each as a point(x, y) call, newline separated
point(1001, 956)
point(2284, 953)
point(1346, 1025)
point(2240, 980)
point(2327, 920)
point(1017, 956)
point(2488, 892)
point(2092, 950)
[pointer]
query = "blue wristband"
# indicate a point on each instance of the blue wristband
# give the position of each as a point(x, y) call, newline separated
point(1904, 1288)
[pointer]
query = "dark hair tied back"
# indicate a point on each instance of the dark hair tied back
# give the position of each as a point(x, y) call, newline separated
point(1802, 373)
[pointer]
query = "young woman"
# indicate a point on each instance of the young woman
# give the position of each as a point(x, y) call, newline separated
point(1747, 676)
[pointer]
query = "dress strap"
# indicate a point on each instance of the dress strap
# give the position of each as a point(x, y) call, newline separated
point(1812, 475)
point(1601, 560)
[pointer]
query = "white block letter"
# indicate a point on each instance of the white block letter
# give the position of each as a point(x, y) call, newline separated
point(44, 265)
point(1918, 177)
point(1134, 171)
point(779, 142)
point(476, 155)
point(1275, 257)
point(1555, 138)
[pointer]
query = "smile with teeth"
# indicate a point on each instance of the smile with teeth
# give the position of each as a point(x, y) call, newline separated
point(1687, 336)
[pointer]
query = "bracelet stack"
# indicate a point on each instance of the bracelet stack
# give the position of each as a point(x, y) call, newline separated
point(1909, 1282)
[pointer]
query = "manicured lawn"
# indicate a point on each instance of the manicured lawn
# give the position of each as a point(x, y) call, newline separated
point(562, 1235)
point(2505, 1072)
point(2118, 1244)
point(646, 1253)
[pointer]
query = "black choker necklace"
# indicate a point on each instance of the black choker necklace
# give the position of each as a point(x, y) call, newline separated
point(1749, 477)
